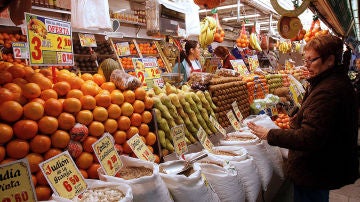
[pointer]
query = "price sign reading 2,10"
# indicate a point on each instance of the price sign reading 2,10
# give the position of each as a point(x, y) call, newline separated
point(63, 43)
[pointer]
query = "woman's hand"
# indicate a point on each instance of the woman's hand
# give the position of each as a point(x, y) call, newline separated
point(259, 131)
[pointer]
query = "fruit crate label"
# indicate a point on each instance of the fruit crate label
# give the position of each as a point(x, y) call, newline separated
point(147, 71)
point(20, 50)
point(234, 122)
point(217, 125)
point(16, 182)
point(63, 176)
point(178, 135)
point(50, 41)
point(237, 111)
point(123, 48)
point(108, 157)
point(239, 66)
point(140, 149)
point(87, 40)
point(204, 140)
point(253, 62)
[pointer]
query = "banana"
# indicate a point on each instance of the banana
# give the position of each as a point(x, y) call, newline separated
point(204, 26)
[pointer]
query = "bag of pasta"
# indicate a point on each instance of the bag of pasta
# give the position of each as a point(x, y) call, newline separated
point(124, 81)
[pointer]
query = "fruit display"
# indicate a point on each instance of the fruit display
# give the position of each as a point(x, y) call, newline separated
point(242, 41)
point(315, 30)
point(224, 91)
point(107, 67)
point(219, 33)
point(274, 81)
point(283, 121)
point(299, 74)
point(207, 31)
point(148, 48)
point(285, 47)
point(257, 87)
point(254, 41)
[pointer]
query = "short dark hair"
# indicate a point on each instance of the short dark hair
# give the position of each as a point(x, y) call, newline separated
point(221, 51)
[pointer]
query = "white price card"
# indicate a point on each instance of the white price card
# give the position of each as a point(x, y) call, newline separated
point(178, 135)
point(237, 111)
point(20, 50)
point(140, 149)
point(217, 125)
point(234, 122)
point(204, 140)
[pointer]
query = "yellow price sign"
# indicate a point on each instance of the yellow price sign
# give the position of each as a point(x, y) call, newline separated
point(204, 140)
point(217, 125)
point(16, 184)
point(63, 176)
point(140, 149)
point(234, 122)
point(153, 72)
point(108, 157)
point(178, 135)
point(87, 40)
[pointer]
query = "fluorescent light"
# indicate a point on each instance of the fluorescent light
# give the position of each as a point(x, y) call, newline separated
point(260, 23)
point(220, 8)
point(241, 17)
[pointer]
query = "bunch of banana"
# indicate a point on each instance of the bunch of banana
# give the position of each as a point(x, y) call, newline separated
point(207, 31)
point(285, 47)
point(297, 47)
point(254, 43)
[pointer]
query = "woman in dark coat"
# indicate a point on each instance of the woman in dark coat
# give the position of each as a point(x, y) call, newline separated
point(322, 141)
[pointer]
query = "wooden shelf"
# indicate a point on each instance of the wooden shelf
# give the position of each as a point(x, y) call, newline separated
point(51, 10)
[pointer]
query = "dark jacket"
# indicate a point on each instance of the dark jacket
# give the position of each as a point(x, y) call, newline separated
point(322, 141)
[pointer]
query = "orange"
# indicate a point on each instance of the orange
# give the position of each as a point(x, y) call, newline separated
point(96, 128)
point(75, 93)
point(139, 106)
point(84, 117)
point(72, 105)
point(84, 173)
point(129, 96)
point(148, 102)
point(6, 132)
point(124, 123)
point(127, 109)
point(40, 144)
point(150, 138)
point(33, 111)
point(14, 89)
point(51, 153)
point(143, 129)
point(34, 160)
point(131, 132)
point(48, 125)
point(5, 77)
point(165, 152)
point(53, 107)
point(20, 82)
point(109, 86)
point(114, 111)
point(89, 88)
point(43, 193)
point(103, 99)
point(17, 148)
point(92, 171)
point(87, 143)
point(2, 153)
point(11, 111)
point(40, 178)
point(6, 95)
point(146, 117)
point(140, 93)
point(88, 102)
point(136, 119)
point(119, 137)
point(87, 76)
point(143, 139)
point(99, 79)
point(48, 93)
point(25, 129)
point(60, 139)
point(62, 88)
point(63, 76)
point(28, 71)
point(117, 97)
point(43, 82)
point(76, 82)
point(85, 160)
point(150, 148)
point(16, 71)
point(110, 125)
point(66, 121)
point(7, 160)
point(33, 179)
point(31, 90)
point(100, 114)
point(157, 159)
point(127, 148)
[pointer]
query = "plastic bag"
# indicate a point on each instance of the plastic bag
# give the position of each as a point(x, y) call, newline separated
point(200, 80)
point(124, 81)
point(192, 20)
point(227, 72)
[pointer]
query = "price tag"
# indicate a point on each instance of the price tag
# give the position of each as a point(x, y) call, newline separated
point(178, 135)
point(274, 111)
point(20, 50)
point(16, 183)
point(87, 40)
point(234, 122)
point(204, 140)
point(239, 66)
point(153, 72)
point(108, 157)
point(140, 149)
point(217, 125)
point(147, 70)
point(123, 48)
point(63, 176)
point(159, 82)
point(50, 41)
point(237, 111)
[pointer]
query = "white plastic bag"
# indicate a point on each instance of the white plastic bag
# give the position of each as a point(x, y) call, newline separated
point(151, 188)
point(192, 20)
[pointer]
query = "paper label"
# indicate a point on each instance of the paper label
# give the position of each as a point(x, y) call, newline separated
point(178, 135)
point(123, 48)
point(253, 62)
point(107, 155)
point(63, 176)
point(147, 71)
point(234, 122)
point(239, 66)
point(16, 182)
point(237, 111)
point(217, 125)
point(140, 149)
point(204, 140)
point(20, 50)
point(87, 40)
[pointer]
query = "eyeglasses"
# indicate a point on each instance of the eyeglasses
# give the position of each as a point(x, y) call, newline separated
point(309, 61)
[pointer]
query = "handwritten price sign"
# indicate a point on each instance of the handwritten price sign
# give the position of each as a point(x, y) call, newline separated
point(178, 135)
point(140, 149)
point(204, 140)
point(234, 122)
point(87, 40)
point(107, 155)
point(20, 50)
point(217, 125)
point(63, 176)
point(16, 183)
point(237, 111)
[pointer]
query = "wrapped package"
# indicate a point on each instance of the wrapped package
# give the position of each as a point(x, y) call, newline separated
point(200, 80)
point(124, 81)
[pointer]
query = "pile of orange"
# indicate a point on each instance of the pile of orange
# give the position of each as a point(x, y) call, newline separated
point(126, 63)
point(36, 116)
point(147, 48)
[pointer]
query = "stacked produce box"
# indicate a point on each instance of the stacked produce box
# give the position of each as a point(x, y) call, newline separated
point(257, 87)
point(275, 81)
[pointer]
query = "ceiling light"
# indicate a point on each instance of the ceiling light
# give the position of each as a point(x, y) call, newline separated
point(260, 23)
point(241, 17)
point(220, 8)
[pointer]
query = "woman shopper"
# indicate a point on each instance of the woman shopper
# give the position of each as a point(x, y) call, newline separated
point(225, 55)
point(189, 60)
point(322, 139)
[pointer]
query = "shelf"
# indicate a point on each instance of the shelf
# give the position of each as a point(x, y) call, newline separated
point(50, 10)
point(130, 22)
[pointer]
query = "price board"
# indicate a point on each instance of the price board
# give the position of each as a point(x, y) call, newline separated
point(108, 157)
point(20, 50)
point(204, 140)
point(16, 183)
point(147, 71)
point(234, 122)
point(178, 135)
point(253, 62)
point(63, 176)
point(50, 41)
point(217, 125)
point(240, 66)
point(140, 149)
point(123, 48)
point(237, 111)
point(87, 40)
